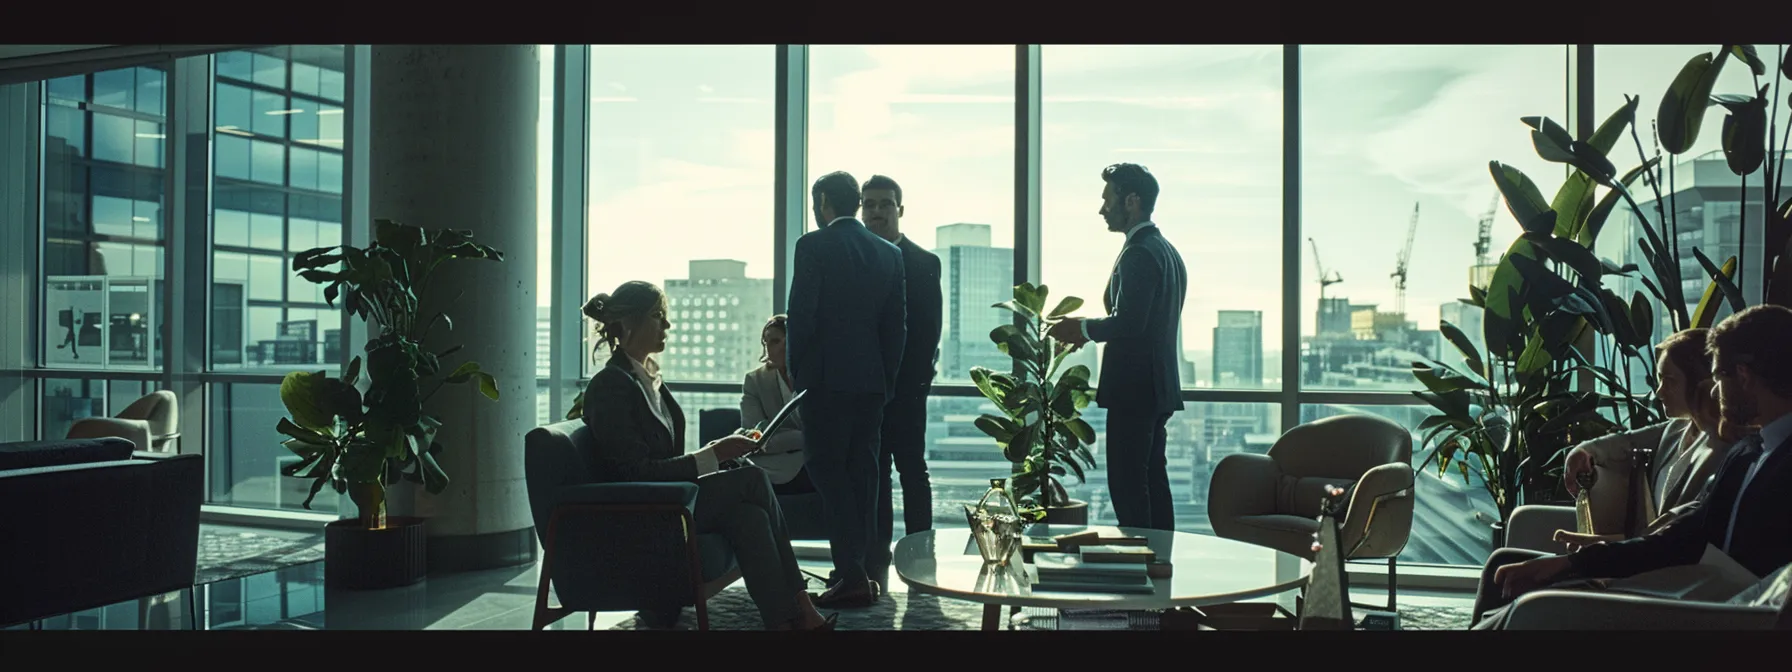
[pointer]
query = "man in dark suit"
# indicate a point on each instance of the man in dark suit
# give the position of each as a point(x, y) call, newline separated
point(1141, 381)
point(1742, 511)
point(905, 417)
point(844, 348)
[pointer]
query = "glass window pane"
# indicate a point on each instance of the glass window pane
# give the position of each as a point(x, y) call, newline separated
point(304, 167)
point(301, 234)
point(112, 216)
point(304, 121)
point(266, 232)
point(65, 401)
point(270, 112)
point(265, 278)
point(66, 129)
point(329, 126)
point(150, 90)
point(232, 156)
point(114, 138)
point(248, 474)
point(1377, 173)
point(146, 220)
point(150, 141)
point(238, 65)
point(329, 172)
point(230, 227)
point(660, 113)
point(334, 85)
point(232, 108)
point(71, 88)
point(267, 162)
point(270, 70)
point(329, 234)
point(115, 88)
point(304, 78)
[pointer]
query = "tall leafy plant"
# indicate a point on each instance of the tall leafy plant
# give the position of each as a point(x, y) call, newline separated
point(361, 439)
point(1040, 428)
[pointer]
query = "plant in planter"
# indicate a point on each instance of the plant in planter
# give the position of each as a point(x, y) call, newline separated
point(1040, 428)
point(361, 439)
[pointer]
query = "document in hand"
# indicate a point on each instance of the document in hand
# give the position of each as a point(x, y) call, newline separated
point(1716, 577)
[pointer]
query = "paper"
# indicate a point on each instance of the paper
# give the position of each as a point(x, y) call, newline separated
point(1717, 577)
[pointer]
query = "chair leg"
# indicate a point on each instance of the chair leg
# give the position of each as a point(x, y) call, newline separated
point(1393, 584)
point(702, 611)
point(193, 609)
point(591, 620)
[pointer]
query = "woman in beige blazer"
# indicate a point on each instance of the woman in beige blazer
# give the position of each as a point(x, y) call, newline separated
point(766, 390)
point(1688, 449)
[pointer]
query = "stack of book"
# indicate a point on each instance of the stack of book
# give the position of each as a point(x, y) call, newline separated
point(1099, 569)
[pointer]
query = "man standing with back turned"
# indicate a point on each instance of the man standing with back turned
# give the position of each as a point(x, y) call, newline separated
point(905, 418)
point(844, 349)
point(1140, 383)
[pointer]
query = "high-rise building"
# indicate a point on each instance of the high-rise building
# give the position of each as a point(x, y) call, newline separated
point(976, 277)
point(1238, 349)
point(1334, 317)
point(717, 314)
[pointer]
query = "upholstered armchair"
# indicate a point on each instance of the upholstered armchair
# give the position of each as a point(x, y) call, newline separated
point(615, 546)
point(802, 513)
point(151, 423)
point(1273, 499)
point(1761, 607)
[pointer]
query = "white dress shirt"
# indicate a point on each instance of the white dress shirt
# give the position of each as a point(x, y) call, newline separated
point(1129, 234)
point(648, 375)
point(1772, 435)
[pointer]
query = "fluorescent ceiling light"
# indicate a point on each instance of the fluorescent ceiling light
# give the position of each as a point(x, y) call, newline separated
point(275, 113)
point(151, 136)
point(139, 219)
point(323, 112)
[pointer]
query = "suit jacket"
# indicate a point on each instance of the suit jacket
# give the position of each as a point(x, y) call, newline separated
point(1140, 369)
point(628, 442)
point(761, 398)
point(1684, 462)
point(926, 305)
point(1763, 535)
point(846, 331)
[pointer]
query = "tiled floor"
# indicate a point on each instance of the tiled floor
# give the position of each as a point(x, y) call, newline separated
point(496, 599)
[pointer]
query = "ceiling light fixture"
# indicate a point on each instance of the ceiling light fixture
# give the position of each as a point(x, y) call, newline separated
point(151, 136)
point(275, 113)
point(324, 112)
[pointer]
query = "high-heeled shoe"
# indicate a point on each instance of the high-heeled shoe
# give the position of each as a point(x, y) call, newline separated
point(827, 623)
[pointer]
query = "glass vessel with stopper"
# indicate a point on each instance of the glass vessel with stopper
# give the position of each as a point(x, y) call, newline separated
point(1583, 502)
point(995, 523)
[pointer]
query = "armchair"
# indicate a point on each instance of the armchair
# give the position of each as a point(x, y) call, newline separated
point(151, 423)
point(615, 546)
point(1757, 608)
point(802, 513)
point(1274, 499)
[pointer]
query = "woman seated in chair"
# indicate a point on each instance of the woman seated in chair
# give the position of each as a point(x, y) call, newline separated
point(1688, 448)
point(637, 434)
point(766, 390)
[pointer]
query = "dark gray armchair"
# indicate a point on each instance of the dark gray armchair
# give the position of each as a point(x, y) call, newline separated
point(615, 546)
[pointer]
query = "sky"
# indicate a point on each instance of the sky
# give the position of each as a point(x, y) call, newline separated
point(682, 155)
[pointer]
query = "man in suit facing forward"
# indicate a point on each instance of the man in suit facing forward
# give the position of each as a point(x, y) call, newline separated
point(905, 417)
point(844, 348)
point(1141, 382)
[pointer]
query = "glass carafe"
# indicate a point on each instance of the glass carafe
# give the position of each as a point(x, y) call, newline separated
point(995, 524)
point(1583, 502)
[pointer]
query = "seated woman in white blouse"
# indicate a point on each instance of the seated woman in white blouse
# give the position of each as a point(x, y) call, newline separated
point(766, 390)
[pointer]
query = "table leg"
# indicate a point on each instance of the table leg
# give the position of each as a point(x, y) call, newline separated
point(992, 617)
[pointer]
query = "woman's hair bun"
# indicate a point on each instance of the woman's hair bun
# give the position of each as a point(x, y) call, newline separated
point(594, 308)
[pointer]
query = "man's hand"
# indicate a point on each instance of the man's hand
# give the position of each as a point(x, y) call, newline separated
point(1577, 541)
point(731, 447)
point(1068, 330)
point(1580, 461)
point(1524, 577)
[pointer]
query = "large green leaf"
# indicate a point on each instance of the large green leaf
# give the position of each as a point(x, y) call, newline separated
point(1745, 131)
point(1454, 335)
point(1606, 137)
point(1068, 305)
point(1522, 197)
point(998, 428)
point(488, 385)
point(1642, 318)
point(1589, 232)
point(1536, 356)
point(1747, 54)
point(1706, 313)
point(1550, 139)
point(1453, 404)
point(1682, 109)
point(1573, 204)
point(435, 479)
point(1572, 254)
point(1030, 297)
point(298, 391)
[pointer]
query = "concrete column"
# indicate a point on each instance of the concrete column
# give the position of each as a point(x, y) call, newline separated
point(453, 146)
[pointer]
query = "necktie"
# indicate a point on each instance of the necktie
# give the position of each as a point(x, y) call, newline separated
point(1751, 454)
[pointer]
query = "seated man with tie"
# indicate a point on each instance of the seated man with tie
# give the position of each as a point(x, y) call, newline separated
point(1743, 510)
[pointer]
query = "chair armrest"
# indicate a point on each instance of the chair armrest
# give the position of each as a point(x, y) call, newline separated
point(1534, 527)
point(1578, 610)
point(1243, 484)
point(1379, 520)
point(679, 494)
point(135, 431)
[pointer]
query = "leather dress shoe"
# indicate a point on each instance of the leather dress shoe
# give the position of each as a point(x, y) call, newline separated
point(841, 597)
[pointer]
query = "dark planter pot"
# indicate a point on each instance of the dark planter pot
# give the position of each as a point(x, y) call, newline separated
point(356, 558)
point(1499, 535)
point(1074, 513)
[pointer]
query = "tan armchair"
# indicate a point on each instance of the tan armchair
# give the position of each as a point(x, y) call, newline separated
point(152, 423)
point(1273, 499)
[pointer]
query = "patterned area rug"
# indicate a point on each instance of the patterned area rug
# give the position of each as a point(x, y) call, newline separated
point(228, 553)
point(733, 609)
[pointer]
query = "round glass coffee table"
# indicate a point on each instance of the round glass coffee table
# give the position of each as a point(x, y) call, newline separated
point(1205, 571)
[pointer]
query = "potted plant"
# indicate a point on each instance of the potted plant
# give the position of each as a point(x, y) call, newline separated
point(358, 438)
point(1040, 428)
point(1556, 336)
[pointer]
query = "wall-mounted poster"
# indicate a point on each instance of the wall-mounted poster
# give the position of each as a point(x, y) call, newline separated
point(74, 335)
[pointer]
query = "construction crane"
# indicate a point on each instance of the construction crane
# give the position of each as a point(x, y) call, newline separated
point(1484, 238)
point(1399, 274)
point(1325, 280)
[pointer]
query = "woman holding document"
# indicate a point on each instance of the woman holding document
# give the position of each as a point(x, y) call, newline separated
point(765, 392)
point(637, 434)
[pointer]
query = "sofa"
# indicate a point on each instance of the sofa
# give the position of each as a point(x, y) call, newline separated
point(92, 522)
